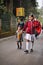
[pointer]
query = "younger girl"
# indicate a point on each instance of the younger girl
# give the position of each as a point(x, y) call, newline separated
point(19, 37)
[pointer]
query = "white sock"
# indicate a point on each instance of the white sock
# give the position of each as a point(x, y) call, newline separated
point(30, 45)
point(27, 43)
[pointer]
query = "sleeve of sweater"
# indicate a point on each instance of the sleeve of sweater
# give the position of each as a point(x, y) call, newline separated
point(25, 26)
point(36, 24)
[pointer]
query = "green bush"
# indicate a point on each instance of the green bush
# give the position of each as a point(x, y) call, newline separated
point(5, 22)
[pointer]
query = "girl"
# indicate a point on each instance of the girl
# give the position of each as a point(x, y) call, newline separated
point(19, 37)
point(29, 29)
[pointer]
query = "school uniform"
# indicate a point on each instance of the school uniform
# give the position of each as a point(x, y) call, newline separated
point(19, 35)
point(29, 29)
point(19, 38)
point(21, 24)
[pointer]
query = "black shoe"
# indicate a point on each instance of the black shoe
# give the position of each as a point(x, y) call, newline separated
point(20, 47)
point(32, 41)
point(26, 51)
point(31, 50)
point(17, 47)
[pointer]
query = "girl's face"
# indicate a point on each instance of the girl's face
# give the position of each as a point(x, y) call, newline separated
point(18, 20)
point(30, 18)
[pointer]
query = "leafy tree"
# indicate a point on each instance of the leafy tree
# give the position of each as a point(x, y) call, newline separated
point(30, 6)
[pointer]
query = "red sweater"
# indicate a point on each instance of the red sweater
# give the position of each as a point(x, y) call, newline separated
point(37, 26)
point(31, 26)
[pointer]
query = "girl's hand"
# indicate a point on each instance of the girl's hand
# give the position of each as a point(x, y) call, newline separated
point(23, 31)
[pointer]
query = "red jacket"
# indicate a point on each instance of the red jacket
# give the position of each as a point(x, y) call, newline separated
point(31, 26)
point(37, 26)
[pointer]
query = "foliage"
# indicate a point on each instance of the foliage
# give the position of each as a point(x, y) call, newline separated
point(30, 6)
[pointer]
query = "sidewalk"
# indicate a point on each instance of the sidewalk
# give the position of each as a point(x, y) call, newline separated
point(2, 39)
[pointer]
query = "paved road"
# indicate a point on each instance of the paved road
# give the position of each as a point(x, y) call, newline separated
point(10, 55)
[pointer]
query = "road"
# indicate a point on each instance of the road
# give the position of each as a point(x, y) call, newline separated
point(10, 55)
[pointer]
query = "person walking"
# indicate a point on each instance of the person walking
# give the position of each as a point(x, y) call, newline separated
point(29, 29)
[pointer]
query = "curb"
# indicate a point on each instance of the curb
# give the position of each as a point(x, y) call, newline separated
point(2, 39)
